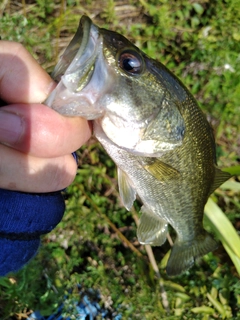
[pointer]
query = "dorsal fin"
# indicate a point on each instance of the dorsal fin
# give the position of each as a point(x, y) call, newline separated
point(219, 178)
point(126, 189)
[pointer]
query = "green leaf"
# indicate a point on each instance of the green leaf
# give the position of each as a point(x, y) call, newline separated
point(231, 185)
point(203, 309)
point(5, 282)
point(198, 8)
point(174, 286)
point(224, 231)
point(217, 305)
point(234, 170)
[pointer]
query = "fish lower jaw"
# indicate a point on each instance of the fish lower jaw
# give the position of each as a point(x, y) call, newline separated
point(82, 109)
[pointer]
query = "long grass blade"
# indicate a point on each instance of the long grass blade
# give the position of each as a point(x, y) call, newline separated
point(224, 231)
point(234, 170)
point(231, 185)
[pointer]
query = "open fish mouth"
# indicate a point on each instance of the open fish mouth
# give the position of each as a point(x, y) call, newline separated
point(80, 54)
point(74, 72)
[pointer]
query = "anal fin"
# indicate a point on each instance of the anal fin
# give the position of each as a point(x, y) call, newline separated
point(152, 229)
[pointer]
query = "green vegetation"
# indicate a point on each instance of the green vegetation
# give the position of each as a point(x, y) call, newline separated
point(95, 245)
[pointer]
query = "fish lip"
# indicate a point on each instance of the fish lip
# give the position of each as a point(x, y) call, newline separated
point(77, 62)
point(80, 70)
point(74, 72)
point(88, 35)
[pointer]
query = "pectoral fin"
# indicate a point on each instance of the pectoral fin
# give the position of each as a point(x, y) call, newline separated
point(220, 178)
point(126, 189)
point(161, 171)
point(152, 229)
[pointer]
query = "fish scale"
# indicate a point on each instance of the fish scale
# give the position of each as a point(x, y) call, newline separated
point(152, 128)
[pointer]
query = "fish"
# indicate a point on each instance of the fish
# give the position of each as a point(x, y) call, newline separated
point(152, 128)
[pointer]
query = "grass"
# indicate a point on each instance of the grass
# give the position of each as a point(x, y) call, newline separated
point(95, 245)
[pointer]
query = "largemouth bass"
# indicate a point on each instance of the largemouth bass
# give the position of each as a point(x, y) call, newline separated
point(152, 128)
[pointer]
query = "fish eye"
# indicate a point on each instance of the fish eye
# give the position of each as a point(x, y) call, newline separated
point(131, 62)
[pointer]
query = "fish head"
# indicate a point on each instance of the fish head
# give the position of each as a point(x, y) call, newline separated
point(104, 77)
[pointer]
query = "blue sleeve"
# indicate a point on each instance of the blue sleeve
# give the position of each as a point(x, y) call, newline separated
point(24, 217)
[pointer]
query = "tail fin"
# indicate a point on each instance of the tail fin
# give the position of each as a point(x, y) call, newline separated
point(184, 254)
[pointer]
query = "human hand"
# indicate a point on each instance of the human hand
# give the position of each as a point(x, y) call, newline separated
point(35, 156)
point(35, 142)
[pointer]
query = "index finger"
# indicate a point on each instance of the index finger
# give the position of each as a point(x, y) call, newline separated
point(22, 79)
